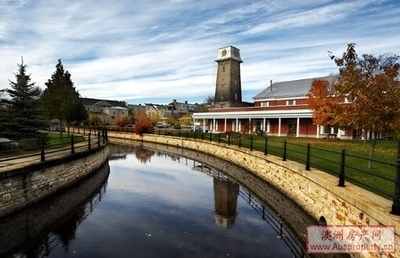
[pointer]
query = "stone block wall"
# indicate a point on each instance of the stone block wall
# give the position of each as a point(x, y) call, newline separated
point(22, 187)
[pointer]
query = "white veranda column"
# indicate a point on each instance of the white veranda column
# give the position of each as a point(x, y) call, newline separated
point(250, 126)
point(214, 125)
point(279, 126)
point(225, 125)
point(264, 129)
point(237, 125)
point(298, 127)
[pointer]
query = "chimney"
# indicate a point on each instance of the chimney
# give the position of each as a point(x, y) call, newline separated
point(270, 84)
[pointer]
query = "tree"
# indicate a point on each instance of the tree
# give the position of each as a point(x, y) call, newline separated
point(21, 114)
point(372, 89)
point(171, 120)
point(123, 122)
point(209, 101)
point(186, 120)
point(154, 118)
point(143, 124)
point(60, 98)
point(322, 99)
point(95, 119)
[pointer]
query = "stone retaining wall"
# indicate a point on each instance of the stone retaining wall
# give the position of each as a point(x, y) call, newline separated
point(26, 225)
point(25, 186)
point(314, 191)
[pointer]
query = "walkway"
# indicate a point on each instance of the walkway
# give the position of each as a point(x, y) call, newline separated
point(18, 162)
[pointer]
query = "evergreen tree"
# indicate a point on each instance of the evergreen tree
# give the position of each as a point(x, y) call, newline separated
point(20, 110)
point(60, 98)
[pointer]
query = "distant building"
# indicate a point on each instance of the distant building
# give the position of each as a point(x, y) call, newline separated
point(109, 111)
point(157, 110)
point(183, 107)
point(163, 112)
point(136, 109)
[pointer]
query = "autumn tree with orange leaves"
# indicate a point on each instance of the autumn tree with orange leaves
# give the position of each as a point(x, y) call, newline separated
point(143, 124)
point(371, 86)
point(322, 99)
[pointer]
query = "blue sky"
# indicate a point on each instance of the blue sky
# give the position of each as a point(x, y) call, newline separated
point(156, 51)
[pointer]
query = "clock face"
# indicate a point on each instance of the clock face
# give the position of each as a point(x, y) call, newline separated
point(236, 53)
point(224, 52)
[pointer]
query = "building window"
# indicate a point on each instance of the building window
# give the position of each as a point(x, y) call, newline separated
point(223, 68)
point(290, 102)
point(265, 104)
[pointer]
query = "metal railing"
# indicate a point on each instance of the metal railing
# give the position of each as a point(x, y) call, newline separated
point(25, 151)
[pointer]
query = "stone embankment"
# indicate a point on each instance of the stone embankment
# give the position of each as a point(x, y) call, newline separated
point(314, 191)
point(23, 186)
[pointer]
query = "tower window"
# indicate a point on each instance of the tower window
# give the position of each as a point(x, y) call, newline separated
point(223, 68)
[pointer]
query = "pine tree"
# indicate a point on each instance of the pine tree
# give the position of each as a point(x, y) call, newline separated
point(60, 98)
point(21, 112)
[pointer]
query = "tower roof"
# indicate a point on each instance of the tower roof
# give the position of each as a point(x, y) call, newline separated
point(229, 52)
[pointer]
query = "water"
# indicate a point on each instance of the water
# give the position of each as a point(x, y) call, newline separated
point(145, 203)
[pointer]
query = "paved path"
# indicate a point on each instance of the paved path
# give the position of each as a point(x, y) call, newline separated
point(12, 163)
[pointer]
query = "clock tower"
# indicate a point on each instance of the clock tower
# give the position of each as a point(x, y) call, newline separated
point(228, 90)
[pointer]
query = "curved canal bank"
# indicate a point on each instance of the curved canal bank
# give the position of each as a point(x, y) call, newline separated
point(24, 186)
point(313, 191)
point(26, 226)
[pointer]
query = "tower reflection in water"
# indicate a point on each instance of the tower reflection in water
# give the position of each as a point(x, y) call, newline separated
point(225, 197)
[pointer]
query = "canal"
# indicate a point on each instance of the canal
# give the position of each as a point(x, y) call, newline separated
point(153, 202)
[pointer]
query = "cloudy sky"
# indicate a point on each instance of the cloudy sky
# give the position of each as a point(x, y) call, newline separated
point(159, 50)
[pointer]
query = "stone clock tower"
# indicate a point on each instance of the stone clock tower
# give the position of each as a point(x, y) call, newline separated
point(228, 90)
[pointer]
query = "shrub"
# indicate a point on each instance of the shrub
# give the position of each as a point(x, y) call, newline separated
point(143, 124)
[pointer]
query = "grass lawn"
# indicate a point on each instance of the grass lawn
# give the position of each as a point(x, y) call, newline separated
point(57, 140)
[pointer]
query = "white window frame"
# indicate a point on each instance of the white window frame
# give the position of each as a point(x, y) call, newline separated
point(291, 102)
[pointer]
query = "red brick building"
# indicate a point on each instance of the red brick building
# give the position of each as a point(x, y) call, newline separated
point(281, 109)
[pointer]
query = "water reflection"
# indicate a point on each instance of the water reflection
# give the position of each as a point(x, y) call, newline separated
point(225, 197)
point(36, 231)
point(227, 190)
point(161, 201)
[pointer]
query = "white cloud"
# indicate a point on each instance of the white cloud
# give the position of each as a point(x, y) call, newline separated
point(156, 51)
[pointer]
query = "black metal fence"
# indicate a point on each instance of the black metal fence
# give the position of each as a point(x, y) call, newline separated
point(15, 152)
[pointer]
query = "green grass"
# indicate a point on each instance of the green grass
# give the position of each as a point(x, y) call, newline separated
point(55, 139)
